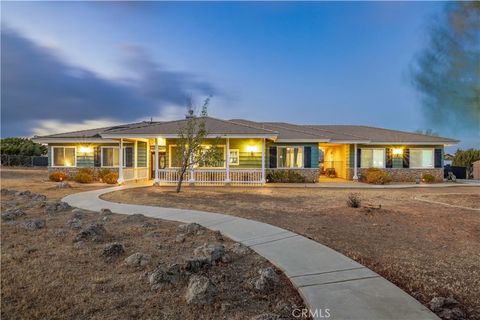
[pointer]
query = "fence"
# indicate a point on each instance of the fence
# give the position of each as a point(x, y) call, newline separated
point(24, 161)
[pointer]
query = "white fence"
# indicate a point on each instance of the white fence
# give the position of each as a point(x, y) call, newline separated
point(135, 174)
point(213, 177)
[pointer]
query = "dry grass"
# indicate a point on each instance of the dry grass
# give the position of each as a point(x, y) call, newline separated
point(426, 249)
point(45, 276)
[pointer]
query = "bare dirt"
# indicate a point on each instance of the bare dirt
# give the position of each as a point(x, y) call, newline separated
point(45, 275)
point(426, 249)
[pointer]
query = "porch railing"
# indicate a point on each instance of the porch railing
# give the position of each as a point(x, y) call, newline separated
point(212, 177)
point(129, 174)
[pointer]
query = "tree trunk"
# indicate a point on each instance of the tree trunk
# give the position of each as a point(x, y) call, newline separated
point(180, 178)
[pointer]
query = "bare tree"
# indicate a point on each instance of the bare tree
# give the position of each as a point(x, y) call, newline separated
point(192, 149)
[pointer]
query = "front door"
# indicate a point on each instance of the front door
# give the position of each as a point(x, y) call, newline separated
point(162, 161)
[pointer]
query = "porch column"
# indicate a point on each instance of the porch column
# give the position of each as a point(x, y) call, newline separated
point(120, 162)
point(156, 180)
point(355, 161)
point(135, 163)
point(191, 180)
point(227, 165)
point(263, 160)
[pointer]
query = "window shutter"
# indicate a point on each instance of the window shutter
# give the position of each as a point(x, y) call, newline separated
point(359, 158)
point(97, 161)
point(128, 157)
point(307, 157)
point(388, 154)
point(406, 158)
point(273, 157)
point(438, 158)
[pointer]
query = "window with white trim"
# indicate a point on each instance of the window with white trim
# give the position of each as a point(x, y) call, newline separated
point(110, 157)
point(421, 158)
point(234, 157)
point(64, 156)
point(372, 158)
point(290, 157)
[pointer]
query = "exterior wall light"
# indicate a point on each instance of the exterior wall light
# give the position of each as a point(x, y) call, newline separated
point(84, 149)
point(397, 151)
point(251, 149)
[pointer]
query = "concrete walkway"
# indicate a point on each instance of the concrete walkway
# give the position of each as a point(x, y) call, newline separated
point(325, 278)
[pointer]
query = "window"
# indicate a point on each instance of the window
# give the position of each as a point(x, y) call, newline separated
point(175, 161)
point(110, 157)
point(421, 158)
point(64, 156)
point(234, 157)
point(372, 158)
point(290, 157)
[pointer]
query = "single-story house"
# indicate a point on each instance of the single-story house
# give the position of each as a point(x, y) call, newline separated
point(146, 150)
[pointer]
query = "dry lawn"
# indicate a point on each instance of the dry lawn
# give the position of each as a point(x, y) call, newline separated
point(426, 249)
point(45, 276)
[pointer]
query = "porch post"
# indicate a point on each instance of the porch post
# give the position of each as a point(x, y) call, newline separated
point(120, 162)
point(263, 160)
point(355, 161)
point(156, 180)
point(191, 180)
point(135, 163)
point(227, 150)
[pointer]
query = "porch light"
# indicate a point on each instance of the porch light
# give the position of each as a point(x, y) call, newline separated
point(251, 149)
point(397, 151)
point(85, 149)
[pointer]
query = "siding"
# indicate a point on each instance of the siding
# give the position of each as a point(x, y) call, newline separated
point(142, 154)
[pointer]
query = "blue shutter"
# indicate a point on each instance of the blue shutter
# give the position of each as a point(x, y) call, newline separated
point(406, 158)
point(273, 157)
point(307, 157)
point(359, 158)
point(438, 158)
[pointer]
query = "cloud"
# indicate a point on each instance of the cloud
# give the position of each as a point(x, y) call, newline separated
point(39, 88)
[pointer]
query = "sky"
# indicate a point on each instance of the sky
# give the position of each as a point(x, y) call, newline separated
point(73, 65)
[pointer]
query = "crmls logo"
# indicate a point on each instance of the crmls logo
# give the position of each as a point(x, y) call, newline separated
point(315, 313)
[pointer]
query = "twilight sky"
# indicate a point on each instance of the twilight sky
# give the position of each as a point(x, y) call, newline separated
point(73, 65)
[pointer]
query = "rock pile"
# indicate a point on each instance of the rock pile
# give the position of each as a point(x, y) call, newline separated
point(94, 232)
point(446, 308)
point(200, 290)
point(138, 259)
point(112, 251)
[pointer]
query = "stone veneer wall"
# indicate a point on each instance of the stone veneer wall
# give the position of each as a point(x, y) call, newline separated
point(406, 174)
point(311, 174)
point(72, 171)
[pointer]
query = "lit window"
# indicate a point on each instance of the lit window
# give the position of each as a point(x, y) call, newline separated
point(110, 157)
point(372, 158)
point(290, 157)
point(234, 157)
point(64, 157)
point(421, 158)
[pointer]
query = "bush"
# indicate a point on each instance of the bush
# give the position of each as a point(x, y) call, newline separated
point(285, 176)
point(110, 178)
point(428, 178)
point(353, 200)
point(376, 176)
point(83, 177)
point(88, 171)
point(101, 173)
point(58, 176)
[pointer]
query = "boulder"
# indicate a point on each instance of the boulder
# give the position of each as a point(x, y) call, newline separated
point(218, 235)
point(189, 228)
point(138, 259)
point(200, 290)
point(180, 238)
point(105, 212)
point(78, 213)
point(74, 223)
point(94, 232)
point(34, 224)
point(197, 264)
point(56, 206)
point(12, 214)
point(134, 218)
point(164, 276)
point(148, 225)
point(112, 251)
point(452, 314)
point(267, 280)
point(214, 252)
point(239, 249)
point(438, 303)
point(26, 193)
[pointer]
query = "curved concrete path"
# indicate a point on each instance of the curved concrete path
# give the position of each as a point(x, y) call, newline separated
point(325, 278)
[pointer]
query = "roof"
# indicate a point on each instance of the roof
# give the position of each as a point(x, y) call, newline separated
point(281, 131)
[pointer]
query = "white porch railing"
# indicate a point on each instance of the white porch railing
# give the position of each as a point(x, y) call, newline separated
point(212, 177)
point(129, 174)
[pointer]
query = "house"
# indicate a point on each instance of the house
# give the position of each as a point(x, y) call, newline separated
point(146, 150)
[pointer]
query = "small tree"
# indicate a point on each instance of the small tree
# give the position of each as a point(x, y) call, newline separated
point(191, 149)
point(466, 158)
point(21, 146)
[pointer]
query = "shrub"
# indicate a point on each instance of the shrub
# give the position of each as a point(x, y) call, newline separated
point(428, 178)
point(376, 176)
point(285, 176)
point(101, 173)
point(86, 170)
point(83, 177)
point(58, 176)
point(353, 200)
point(110, 178)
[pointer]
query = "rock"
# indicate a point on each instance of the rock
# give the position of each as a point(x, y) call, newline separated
point(136, 217)
point(74, 223)
point(164, 276)
point(8, 192)
point(147, 225)
point(214, 252)
point(437, 303)
point(60, 233)
point(26, 193)
point(226, 258)
point(12, 214)
point(452, 314)
point(200, 290)
point(138, 259)
point(79, 244)
point(266, 316)
point(189, 228)
point(106, 212)
point(78, 213)
point(180, 238)
point(218, 235)
point(54, 207)
point(34, 224)
point(197, 264)
point(39, 198)
point(113, 250)
point(267, 281)
point(239, 249)
point(94, 232)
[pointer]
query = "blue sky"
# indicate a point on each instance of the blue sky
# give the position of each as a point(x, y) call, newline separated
point(329, 62)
